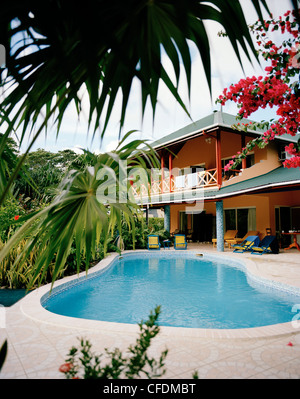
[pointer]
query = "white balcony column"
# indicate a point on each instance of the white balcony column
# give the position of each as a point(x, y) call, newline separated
point(220, 226)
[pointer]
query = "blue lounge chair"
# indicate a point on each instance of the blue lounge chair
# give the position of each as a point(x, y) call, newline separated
point(180, 241)
point(267, 245)
point(153, 241)
point(247, 244)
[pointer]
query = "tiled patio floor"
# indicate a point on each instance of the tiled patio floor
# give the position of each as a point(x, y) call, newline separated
point(36, 348)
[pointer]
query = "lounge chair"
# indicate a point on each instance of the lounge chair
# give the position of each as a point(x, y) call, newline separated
point(180, 241)
point(268, 245)
point(229, 235)
point(153, 241)
point(237, 240)
point(247, 244)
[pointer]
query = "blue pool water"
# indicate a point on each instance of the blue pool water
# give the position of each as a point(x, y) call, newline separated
point(194, 292)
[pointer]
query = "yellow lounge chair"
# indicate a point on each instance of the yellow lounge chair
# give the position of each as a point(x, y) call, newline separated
point(180, 241)
point(153, 241)
point(229, 235)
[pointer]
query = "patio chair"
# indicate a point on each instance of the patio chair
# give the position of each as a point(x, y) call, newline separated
point(247, 244)
point(237, 240)
point(153, 241)
point(267, 245)
point(180, 241)
point(229, 235)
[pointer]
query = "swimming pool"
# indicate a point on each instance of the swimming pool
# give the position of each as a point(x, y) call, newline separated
point(193, 291)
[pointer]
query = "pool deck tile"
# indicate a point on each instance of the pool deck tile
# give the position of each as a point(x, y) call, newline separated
point(39, 341)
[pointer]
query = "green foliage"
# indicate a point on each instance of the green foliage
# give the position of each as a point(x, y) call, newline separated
point(136, 364)
point(83, 211)
point(71, 265)
point(11, 209)
point(15, 274)
point(47, 170)
point(155, 226)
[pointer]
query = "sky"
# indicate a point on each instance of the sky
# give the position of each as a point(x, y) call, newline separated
point(169, 115)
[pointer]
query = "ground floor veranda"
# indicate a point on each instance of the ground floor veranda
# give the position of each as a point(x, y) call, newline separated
point(37, 347)
point(273, 213)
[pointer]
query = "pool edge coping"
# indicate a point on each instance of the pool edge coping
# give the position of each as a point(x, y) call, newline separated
point(31, 307)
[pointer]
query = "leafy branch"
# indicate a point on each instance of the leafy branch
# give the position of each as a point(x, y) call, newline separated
point(82, 363)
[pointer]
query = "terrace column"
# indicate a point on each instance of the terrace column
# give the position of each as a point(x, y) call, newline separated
point(162, 167)
point(243, 145)
point(218, 159)
point(219, 225)
point(147, 214)
point(167, 218)
point(170, 172)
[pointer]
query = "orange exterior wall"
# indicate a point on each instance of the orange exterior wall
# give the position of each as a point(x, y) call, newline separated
point(264, 203)
point(197, 151)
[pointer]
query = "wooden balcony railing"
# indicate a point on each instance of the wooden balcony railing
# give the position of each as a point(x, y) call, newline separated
point(201, 179)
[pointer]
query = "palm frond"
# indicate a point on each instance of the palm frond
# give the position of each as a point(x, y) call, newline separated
point(82, 211)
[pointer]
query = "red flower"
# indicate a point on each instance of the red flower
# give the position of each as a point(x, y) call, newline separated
point(66, 367)
point(16, 217)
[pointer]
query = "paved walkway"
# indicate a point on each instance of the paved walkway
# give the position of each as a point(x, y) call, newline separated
point(36, 348)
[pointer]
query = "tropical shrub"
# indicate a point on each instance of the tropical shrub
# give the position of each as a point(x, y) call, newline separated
point(46, 169)
point(82, 363)
point(10, 213)
point(16, 275)
point(155, 226)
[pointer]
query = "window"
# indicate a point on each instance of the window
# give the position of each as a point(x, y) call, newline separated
point(240, 219)
point(282, 218)
point(197, 168)
point(249, 161)
point(283, 155)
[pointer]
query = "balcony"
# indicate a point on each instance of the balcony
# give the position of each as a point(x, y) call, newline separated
point(190, 181)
